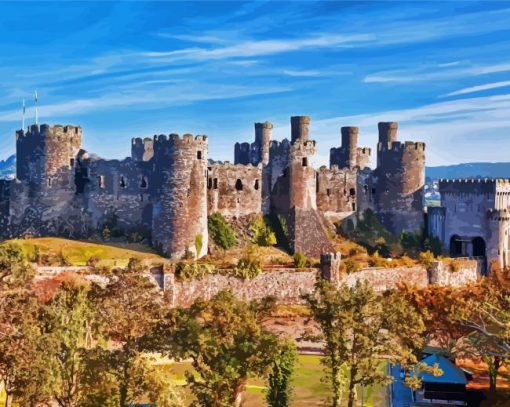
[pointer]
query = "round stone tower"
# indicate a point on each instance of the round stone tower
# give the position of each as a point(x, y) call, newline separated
point(263, 141)
point(350, 144)
point(299, 128)
point(46, 155)
point(180, 208)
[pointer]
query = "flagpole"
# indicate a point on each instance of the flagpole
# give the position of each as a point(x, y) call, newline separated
point(23, 119)
point(35, 98)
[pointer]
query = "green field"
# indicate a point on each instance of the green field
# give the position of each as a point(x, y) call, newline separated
point(79, 252)
point(309, 389)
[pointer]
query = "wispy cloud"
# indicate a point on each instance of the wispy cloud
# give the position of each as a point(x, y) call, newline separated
point(306, 73)
point(454, 131)
point(428, 73)
point(182, 94)
point(479, 88)
point(254, 48)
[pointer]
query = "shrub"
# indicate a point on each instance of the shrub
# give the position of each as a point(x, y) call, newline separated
point(62, 259)
point(262, 233)
point(248, 267)
point(199, 243)
point(220, 231)
point(377, 261)
point(186, 270)
point(300, 260)
point(351, 266)
point(92, 261)
point(426, 258)
point(135, 265)
point(455, 266)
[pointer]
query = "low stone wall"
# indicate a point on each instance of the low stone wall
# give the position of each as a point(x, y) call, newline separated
point(382, 279)
point(286, 285)
point(465, 271)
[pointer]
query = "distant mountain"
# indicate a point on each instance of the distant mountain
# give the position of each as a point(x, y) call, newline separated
point(8, 168)
point(470, 170)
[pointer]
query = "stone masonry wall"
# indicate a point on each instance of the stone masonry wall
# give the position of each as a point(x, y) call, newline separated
point(287, 285)
point(234, 190)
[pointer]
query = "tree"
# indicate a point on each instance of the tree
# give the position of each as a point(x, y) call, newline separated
point(23, 367)
point(360, 329)
point(15, 271)
point(68, 322)
point(221, 232)
point(226, 343)
point(128, 308)
point(485, 313)
point(279, 386)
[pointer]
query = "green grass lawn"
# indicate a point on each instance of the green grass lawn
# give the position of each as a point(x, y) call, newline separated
point(309, 389)
point(78, 252)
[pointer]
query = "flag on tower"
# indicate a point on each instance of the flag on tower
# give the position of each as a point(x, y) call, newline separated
point(24, 111)
point(35, 99)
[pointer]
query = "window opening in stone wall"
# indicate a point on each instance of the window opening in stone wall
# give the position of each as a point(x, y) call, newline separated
point(256, 184)
point(304, 162)
point(71, 162)
point(365, 188)
point(199, 155)
point(354, 207)
point(239, 185)
point(144, 183)
point(373, 191)
point(209, 183)
point(352, 192)
point(122, 182)
point(215, 183)
point(328, 192)
point(49, 182)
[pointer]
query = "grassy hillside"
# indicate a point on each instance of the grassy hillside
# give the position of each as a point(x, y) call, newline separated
point(79, 252)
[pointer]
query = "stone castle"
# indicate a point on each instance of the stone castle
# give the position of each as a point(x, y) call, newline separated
point(168, 187)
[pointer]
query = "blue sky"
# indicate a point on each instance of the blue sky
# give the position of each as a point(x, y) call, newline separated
point(120, 70)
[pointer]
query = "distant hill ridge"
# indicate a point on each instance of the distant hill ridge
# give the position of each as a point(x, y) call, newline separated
point(466, 170)
point(470, 170)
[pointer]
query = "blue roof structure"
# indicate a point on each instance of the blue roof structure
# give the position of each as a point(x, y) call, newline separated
point(452, 374)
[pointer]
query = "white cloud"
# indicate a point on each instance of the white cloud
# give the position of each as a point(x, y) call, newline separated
point(479, 88)
point(306, 73)
point(425, 74)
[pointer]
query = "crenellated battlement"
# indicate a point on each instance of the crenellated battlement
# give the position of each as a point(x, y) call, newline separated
point(399, 147)
point(44, 131)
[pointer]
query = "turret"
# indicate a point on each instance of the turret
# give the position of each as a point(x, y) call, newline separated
point(180, 211)
point(262, 142)
point(299, 128)
point(387, 133)
point(46, 155)
point(350, 145)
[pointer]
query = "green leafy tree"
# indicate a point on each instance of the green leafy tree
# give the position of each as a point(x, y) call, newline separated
point(226, 343)
point(23, 366)
point(262, 233)
point(361, 328)
point(15, 271)
point(128, 308)
point(220, 231)
point(279, 386)
point(68, 320)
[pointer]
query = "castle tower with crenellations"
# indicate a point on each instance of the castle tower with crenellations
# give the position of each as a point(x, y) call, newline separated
point(165, 190)
point(349, 155)
point(400, 180)
point(180, 209)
